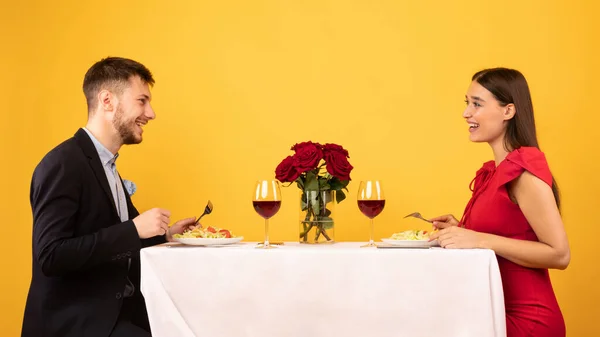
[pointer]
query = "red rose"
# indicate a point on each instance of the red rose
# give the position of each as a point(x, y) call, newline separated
point(286, 171)
point(335, 148)
point(300, 146)
point(337, 165)
point(307, 157)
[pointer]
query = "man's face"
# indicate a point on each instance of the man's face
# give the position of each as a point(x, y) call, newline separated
point(133, 111)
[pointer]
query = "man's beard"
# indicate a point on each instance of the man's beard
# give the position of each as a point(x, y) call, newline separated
point(125, 128)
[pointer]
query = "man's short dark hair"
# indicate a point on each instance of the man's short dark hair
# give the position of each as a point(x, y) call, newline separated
point(112, 73)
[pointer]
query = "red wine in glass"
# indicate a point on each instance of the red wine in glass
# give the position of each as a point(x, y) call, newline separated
point(266, 201)
point(371, 208)
point(266, 209)
point(371, 202)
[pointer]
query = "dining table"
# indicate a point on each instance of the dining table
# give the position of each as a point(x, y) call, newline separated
point(318, 290)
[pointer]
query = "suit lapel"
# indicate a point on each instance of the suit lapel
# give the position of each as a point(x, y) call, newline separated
point(89, 150)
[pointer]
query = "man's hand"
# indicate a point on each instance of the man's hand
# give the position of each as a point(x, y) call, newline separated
point(181, 226)
point(152, 223)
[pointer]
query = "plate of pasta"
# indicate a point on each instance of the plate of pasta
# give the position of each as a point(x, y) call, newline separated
point(209, 236)
point(411, 238)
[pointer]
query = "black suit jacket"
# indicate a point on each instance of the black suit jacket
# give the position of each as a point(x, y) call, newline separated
point(81, 248)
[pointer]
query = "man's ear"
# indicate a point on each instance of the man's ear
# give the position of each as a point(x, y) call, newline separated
point(106, 100)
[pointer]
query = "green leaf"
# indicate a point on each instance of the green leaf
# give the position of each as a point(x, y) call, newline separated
point(336, 184)
point(300, 182)
point(340, 196)
point(311, 184)
point(303, 205)
point(323, 185)
point(303, 201)
point(313, 197)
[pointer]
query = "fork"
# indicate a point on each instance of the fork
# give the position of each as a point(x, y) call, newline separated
point(207, 210)
point(418, 216)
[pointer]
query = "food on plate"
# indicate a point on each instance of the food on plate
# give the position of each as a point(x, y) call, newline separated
point(205, 233)
point(412, 235)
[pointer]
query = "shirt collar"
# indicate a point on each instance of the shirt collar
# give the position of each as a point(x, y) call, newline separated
point(106, 157)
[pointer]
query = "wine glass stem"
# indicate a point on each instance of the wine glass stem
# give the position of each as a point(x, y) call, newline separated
point(371, 233)
point(266, 233)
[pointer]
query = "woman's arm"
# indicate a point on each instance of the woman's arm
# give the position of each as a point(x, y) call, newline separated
point(536, 200)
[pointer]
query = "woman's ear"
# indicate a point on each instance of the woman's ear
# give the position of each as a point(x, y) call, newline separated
point(509, 111)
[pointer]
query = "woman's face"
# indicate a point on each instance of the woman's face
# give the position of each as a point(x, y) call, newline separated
point(487, 119)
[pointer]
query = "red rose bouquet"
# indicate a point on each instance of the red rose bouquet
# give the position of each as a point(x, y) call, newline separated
point(321, 172)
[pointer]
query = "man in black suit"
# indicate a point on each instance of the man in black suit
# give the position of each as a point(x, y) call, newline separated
point(87, 234)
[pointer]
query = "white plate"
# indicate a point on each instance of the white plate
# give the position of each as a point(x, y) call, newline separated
point(411, 243)
point(209, 241)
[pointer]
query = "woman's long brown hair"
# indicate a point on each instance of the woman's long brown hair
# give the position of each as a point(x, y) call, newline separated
point(509, 86)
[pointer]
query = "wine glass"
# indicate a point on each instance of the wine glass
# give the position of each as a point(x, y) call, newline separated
point(370, 202)
point(266, 202)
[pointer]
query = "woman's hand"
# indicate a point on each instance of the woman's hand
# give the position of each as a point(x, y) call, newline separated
point(444, 221)
point(457, 237)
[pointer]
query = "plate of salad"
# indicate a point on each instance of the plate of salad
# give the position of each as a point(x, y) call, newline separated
point(209, 236)
point(411, 238)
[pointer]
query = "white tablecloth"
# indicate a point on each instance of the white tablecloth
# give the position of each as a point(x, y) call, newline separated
point(329, 290)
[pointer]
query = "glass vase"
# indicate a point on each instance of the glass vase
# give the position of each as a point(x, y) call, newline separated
point(317, 216)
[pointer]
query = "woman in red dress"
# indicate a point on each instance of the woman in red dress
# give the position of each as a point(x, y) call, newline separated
point(514, 208)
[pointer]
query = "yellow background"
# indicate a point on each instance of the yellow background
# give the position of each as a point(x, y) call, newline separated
point(239, 82)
